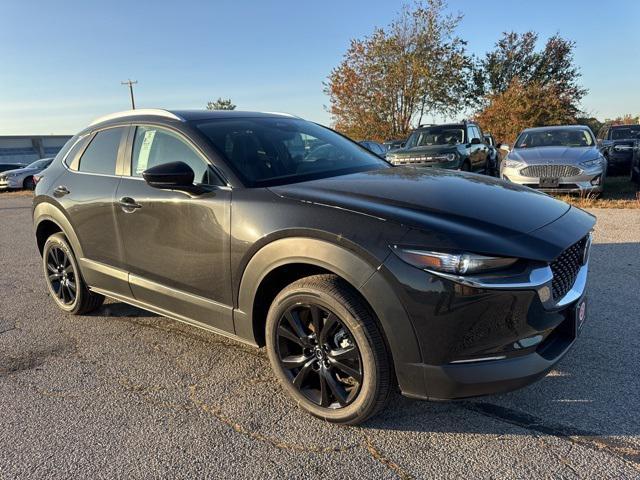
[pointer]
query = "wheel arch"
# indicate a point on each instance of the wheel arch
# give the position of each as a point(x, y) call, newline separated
point(48, 220)
point(283, 261)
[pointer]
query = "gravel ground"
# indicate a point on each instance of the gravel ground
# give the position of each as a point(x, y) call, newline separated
point(125, 393)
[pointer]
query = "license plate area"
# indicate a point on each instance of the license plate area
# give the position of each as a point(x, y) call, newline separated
point(579, 315)
point(549, 182)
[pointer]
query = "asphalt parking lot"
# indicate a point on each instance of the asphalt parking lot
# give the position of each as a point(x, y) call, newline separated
point(125, 393)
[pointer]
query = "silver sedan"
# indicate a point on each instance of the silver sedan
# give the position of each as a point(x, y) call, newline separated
point(23, 177)
point(563, 159)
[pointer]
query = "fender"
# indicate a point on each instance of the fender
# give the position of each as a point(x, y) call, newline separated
point(47, 211)
point(361, 274)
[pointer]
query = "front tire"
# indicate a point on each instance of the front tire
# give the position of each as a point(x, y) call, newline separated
point(65, 283)
point(29, 184)
point(327, 350)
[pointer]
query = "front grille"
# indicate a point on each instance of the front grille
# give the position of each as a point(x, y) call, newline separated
point(417, 160)
point(565, 268)
point(550, 171)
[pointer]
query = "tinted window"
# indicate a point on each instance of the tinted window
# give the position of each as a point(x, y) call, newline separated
point(626, 132)
point(154, 146)
point(436, 135)
point(101, 154)
point(40, 163)
point(269, 151)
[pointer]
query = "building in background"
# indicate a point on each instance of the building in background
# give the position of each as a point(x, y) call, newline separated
point(24, 149)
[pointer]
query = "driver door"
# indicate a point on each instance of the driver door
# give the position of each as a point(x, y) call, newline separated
point(175, 244)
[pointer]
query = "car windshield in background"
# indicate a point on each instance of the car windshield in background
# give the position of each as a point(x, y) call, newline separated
point(275, 151)
point(555, 137)
point(435, 136)
point(623, 133)
point(40, 164)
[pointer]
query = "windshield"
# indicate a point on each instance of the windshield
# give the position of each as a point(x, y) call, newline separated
point(555, 137)
point(436, 136)
point(40, 163)
point(276, 151)
point(626, 132)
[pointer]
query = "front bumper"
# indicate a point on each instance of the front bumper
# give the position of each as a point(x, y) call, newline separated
point(588, 181)
point(485, 337)
point(10, 183)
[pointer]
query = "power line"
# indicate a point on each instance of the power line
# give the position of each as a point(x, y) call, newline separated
point(131, 84)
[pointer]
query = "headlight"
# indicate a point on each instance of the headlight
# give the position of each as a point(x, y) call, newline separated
point(596, 162)
point(512, 164)
point(451, 156)
point(456, 263)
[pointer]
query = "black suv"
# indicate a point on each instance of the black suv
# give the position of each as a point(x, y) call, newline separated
point(357, 276)
point(455, 146)
point(616, 144)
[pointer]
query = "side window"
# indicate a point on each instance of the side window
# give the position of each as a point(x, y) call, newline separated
point(479, 133)
point(101, 154)
point(154, 146)
point(470, 133)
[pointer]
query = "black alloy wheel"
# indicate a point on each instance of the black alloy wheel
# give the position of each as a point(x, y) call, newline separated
point(62, 275)
point(64, 279)
point(327, 350)
point(320, 355)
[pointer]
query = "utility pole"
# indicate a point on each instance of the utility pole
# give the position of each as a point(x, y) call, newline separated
point(131, 84)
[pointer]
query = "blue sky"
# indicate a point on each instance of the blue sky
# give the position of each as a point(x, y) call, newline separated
point(61, 62)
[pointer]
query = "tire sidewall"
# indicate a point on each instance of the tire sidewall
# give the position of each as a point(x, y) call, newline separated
point(309, 295)
point(57, 240)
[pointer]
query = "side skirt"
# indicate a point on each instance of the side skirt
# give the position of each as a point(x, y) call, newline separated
point(171, 315)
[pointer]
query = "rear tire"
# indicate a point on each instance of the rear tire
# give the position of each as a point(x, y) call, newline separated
point(327, 351)
point(64, 280)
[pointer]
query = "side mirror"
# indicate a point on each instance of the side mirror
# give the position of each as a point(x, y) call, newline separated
point(475, 141)
point(173, 176)
point(402, 144)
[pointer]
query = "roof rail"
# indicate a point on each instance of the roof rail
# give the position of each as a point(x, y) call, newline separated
point(158, 112)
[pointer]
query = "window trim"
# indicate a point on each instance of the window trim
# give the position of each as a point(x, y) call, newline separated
point(127, 158)
point(74, 167)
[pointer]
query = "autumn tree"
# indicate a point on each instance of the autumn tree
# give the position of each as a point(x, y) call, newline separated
point(626, 119)
point(523, 105)
point(387, 81)
point(221, 104)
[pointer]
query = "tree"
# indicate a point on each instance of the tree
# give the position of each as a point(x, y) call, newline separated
point(221, 104)
point(522, 106)
point(592, 122)
point(390, 79)
point(625, 119)
point(515, 57)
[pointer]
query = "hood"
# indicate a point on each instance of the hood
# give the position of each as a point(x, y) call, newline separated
point(464, 205)
point(554, 155)
point(17, 170)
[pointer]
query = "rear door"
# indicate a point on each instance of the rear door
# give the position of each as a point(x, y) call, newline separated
point(87, 193)
point(176, 244)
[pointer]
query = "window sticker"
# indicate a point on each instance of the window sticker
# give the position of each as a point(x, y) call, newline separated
point(145, 149)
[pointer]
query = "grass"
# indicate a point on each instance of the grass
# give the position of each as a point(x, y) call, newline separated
point(619, 192)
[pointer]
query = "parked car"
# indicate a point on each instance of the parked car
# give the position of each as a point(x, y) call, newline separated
point(494, 159)
point(616, 144)
point(374, 147)
point(454, 146)
point(23, 177)
point(556, 159)
point(390, 145)
point(635, 163)
point(357, 276)
point(9, 166)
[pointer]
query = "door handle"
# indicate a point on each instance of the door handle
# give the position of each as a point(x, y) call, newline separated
point(61, 190)
point(129, 205)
